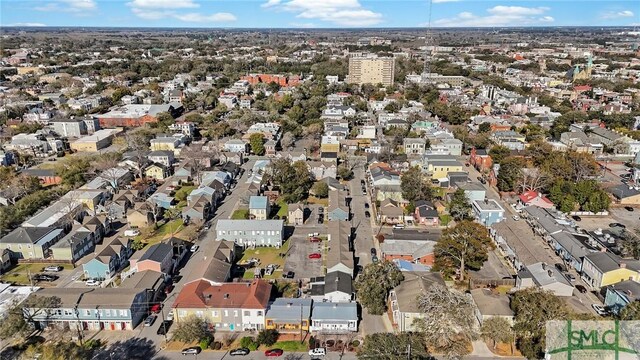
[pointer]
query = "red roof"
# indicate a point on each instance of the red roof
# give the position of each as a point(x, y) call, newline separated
point(534, 198)
point(201, 294)
point(582, 88)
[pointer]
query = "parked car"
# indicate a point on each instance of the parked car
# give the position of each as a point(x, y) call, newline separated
point(274, 352)
point(576, 218)
point(318, 352)
point(288, 275)
point(320, 210)
point(374, 259)
point(194, 248)
point(170, 316)
point(45, 277)
point(628, 208)
point(241, 352)
point(362, 182)
point(150, 320)
point(155, 308)
point(164, 327)
point(561, 267)
point(53, 268)
point(516, 218)
point(367, 214)
point(168, 289)
point(320, 219)
point(194, 350)
point(613, 225)
point(315, 239)
point(570, 277)
point(600, 310)
point(269, 270)
point(581, 288)
point(132, 232)
point(366, 205)
point(398, 226)
point(374, 252)
point(92, 282)
point(315, 256)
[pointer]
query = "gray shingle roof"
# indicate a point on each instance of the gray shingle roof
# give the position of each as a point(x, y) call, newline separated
point(246, 225)
point(157, 252)
point(335, 311)
point(29, 235)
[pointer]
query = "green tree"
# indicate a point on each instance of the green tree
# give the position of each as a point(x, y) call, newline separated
point(267, 337)
point(374, 283)
point(631, 311)
point(194, 118)
point(294, 179)
point(498, 153)
point(119, 93)
point(485, 127)
point(344, 173)
point(498, 330)
point(510, 173)
point(320, 189)
point(459, 207)
point(389, 346)
point(533, 308)
point(462, 247)
point(191, 329)
point(256, 141)
point(414, 185)
point(164, 120)
point(249, 342)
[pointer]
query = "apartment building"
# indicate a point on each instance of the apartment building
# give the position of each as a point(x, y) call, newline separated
point(371, 69)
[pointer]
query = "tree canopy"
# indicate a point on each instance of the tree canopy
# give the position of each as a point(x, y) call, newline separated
point(462, 247)
point(256, 141)
point(374, 284)
point(293, 179)
point(414, 185)
point(390, 346)
point(459, 207)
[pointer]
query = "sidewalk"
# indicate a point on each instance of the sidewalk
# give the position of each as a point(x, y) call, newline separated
point(480, 349)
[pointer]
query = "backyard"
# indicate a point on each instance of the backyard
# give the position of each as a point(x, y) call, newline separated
point(20, 273)
point(266, 255)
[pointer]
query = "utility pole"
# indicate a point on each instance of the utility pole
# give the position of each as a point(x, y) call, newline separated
point(301, 339)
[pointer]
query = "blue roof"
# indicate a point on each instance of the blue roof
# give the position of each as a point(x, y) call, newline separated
point(258, 202)
point(405, 265)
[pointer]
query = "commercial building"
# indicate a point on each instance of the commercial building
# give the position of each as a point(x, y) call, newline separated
point(371, 69)
point(99, 140)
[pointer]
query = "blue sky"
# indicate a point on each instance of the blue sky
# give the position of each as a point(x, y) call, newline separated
point(317, 13)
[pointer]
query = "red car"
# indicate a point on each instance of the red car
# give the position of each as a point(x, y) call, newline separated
point(315, 239)
point(156, 308)
point(315, 256)
point(273, 352)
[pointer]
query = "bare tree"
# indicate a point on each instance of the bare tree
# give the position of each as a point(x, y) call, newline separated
point(449, 323)
point(106, 167)
point(287, 140)
point(200, 157)
point(138, 145)
point(533, 179)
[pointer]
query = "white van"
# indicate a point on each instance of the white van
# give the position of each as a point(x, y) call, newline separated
point(318, 352)
point(132, 232)
point(398, 226)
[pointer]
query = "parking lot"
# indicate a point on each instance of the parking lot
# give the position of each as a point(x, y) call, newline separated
point(298, 257)
point(616, 215)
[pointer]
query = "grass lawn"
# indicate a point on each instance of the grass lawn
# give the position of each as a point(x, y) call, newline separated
point(162, 232)
point(444, 219)
point(267, 255)
point(283, 208)
point(240, 214)
point(20, 273)
point(291, 345)
point(315, 200)
point(181, 195)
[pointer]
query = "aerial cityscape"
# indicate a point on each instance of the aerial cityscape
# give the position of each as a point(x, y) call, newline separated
point(301, 179)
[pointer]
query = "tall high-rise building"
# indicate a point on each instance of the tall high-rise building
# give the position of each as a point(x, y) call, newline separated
point(371, 69)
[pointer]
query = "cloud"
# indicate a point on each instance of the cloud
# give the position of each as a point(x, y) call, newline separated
point(499, 16)
point(617, 14)
point(28, 24)
point(70, 6)
point(195, 17)
point(443, 1)
point(337, 12)
point(271, 3)
point(162, 4)
point(303, 25)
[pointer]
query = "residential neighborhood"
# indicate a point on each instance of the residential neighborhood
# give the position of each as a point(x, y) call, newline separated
point(388, 194)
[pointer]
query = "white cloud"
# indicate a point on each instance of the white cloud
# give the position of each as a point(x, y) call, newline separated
point(443, 1)
point(28, 24)
point(151, 15)
point(337, 12)
point(617, 14)
point(271, 3)
point(499, 16)
point(195, 17)
point(162, 4)
point(72, 6)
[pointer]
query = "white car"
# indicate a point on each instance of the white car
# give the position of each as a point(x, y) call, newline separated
point(194, 248)
point(92, 282)
point(516, 217)
point(131, 232)
point(53, 268)
point(318, 352)
point(600, 310)
point(170, 316)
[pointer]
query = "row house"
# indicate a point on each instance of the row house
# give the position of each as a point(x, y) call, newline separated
point(108, 259)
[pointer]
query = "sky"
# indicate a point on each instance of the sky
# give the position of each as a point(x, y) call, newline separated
point(318, 13)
